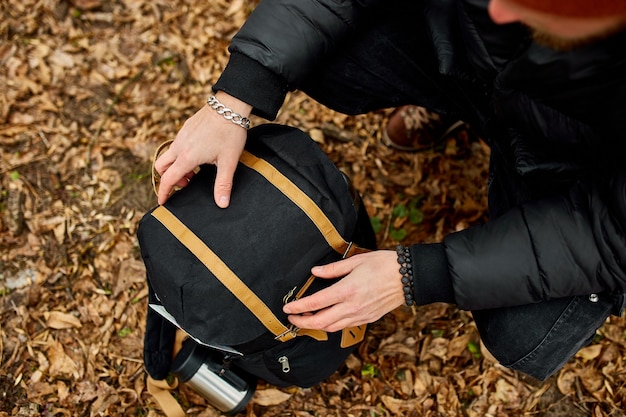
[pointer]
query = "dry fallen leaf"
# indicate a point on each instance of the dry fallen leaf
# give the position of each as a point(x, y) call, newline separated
point(61, 365)
point(458, 345)
point(60, 320)
point(87, 4)
point(506, 393)
point(270, 396)
point(439, 347)
point(397, 406)
point(90, 88)
point(423, 382)
point(566, 382)
point(589, 353)
point(592, 379)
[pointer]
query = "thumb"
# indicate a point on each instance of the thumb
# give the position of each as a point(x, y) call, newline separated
point(223, 185)
point(226, 163)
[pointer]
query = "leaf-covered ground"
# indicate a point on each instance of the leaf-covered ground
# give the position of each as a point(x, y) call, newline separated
point(89, 88)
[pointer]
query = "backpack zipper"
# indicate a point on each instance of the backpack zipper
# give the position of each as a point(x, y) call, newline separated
point(284, 361)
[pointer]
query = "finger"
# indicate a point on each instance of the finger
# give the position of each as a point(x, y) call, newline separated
point(174, 175)
point(224, 181)
point(166, 159)
point(330, 320)
point(183, 182)
point(317, 301)
point(335, 269)
point(327, 296)
point(310, 321)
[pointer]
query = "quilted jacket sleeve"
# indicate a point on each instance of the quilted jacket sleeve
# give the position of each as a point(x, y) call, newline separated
point(284, 40)
point(573, 244)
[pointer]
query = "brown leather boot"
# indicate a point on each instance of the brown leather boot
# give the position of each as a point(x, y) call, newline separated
point(413, 128)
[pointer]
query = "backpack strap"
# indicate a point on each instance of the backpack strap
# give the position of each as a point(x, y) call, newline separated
point(300, 199)
point(154, 175)
point(161, 390)
point(234, 284)
point(228, 278)
point(351, 335)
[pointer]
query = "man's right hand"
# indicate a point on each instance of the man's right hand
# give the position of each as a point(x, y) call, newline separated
point(205, 138)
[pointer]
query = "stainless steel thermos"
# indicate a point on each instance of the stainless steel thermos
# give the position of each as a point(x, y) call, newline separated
point(208, 373)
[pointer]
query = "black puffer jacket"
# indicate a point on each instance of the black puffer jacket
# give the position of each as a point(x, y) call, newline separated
point(554, 121)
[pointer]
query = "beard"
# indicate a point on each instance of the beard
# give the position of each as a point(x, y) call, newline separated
point(558, 43)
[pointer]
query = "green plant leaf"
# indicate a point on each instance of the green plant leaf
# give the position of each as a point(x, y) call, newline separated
point(474, 348)
point(437, 332)
point(400, 211)
point(376, 223)
point(415, 201)
point(415, 215)
point(369, 370)
point(124, 332)
point(397, 234)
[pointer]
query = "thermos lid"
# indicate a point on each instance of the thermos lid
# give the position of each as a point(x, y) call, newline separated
point(188, 361)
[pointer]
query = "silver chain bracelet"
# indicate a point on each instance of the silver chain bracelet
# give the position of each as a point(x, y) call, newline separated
point(228, 114)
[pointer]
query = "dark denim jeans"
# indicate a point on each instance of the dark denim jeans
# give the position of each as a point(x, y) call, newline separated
point(538, 339)
point(386, 67)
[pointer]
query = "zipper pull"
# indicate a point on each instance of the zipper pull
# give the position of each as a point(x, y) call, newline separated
point(285, 362)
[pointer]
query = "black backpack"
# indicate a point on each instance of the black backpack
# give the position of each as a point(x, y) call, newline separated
point(223, 275)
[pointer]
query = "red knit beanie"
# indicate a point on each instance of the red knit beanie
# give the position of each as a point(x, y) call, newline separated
point(577, 8)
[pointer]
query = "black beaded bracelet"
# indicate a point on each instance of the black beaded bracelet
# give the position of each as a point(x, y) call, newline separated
point(406, 270)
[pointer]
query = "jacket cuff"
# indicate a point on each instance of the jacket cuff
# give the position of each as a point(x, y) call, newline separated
point(254, 84)
point(431, 278)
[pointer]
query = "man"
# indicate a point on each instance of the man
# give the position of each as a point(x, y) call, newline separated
point(541, 81)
